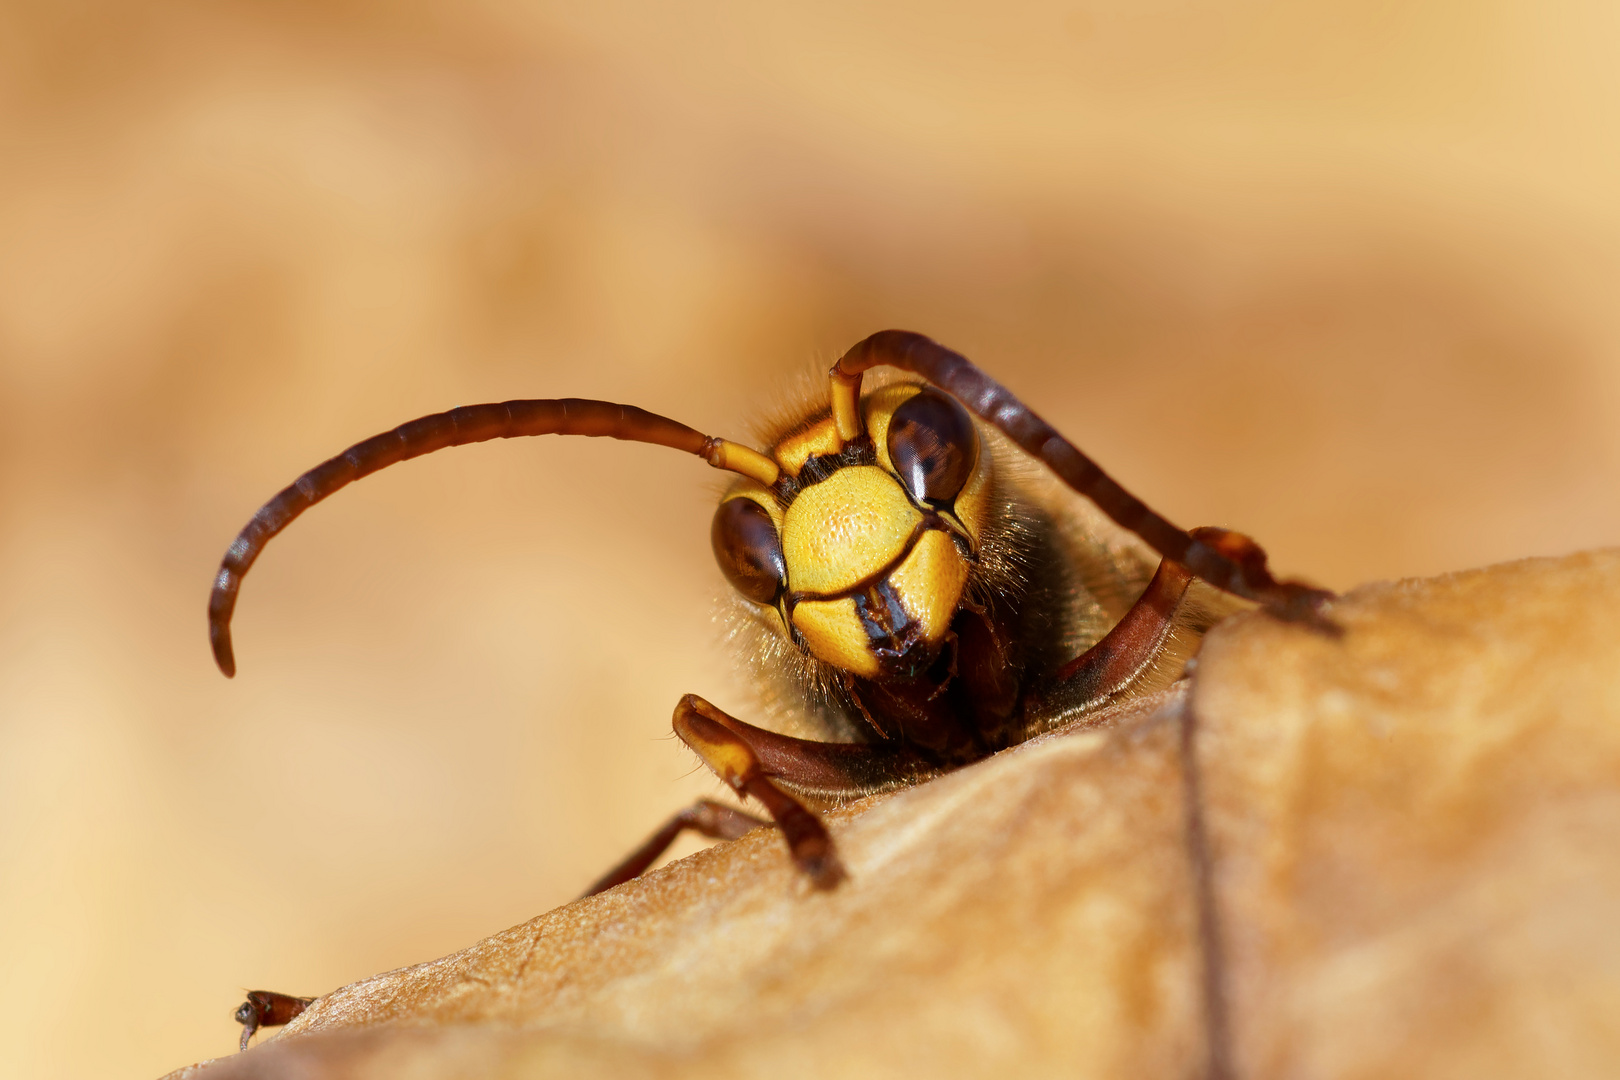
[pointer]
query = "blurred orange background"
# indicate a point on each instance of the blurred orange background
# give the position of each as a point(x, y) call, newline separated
point(1342, 275)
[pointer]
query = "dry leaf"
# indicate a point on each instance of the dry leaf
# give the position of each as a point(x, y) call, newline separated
point(1405, 861)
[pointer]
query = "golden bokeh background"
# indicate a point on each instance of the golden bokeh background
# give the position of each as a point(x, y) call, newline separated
point(1340, 274)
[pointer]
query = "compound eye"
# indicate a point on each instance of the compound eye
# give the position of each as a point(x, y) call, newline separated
point(933, 447)
point(749, 551)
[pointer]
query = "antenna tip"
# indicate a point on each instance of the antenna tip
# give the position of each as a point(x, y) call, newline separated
point(220, 638)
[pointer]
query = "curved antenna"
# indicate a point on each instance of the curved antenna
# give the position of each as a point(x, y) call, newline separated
point(468, 424)
point(1239, 569)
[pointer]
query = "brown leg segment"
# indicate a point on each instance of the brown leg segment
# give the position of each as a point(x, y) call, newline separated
point(1243, 573)
point(769, 767)
point(266, 1008)
point(724, 749)
point(714, 820)
point(760, 764)
point(1129, 649)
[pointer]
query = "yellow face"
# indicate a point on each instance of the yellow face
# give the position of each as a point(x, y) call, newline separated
point(863, 549)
